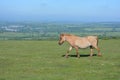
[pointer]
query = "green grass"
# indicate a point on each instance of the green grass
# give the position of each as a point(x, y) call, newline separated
point(42, 60)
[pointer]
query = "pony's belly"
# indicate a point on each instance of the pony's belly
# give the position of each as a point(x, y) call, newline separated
point(83, 44)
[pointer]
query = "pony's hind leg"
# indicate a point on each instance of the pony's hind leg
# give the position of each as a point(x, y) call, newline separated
point(98, 49)
point(70, 48)
point(91, 51)
point(99, 53)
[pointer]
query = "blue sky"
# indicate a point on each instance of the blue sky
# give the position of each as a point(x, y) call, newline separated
point(60, 10)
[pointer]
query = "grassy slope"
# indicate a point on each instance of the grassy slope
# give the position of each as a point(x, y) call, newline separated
point(42, 60)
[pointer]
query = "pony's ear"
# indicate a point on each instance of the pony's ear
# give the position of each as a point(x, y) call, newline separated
point(61, 34)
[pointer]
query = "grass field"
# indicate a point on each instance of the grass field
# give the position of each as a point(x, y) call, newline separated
point(43, 60)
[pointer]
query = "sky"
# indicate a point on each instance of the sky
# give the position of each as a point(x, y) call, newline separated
point(60, 10)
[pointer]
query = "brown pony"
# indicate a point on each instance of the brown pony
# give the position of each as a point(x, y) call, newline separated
point(80, 42)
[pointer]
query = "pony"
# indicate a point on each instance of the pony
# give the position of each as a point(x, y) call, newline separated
point(80, 43)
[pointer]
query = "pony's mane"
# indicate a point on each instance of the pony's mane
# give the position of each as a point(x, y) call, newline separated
point(67, 34)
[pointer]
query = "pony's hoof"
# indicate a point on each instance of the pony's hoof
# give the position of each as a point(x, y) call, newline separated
point(90, 56)
point(99, 55)
point(78, 57)
point(66, 56)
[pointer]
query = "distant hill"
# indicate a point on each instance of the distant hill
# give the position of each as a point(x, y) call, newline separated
point(52, 30)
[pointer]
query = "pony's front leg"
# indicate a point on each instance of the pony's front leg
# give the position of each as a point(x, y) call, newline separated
point(76, 48)
point(91, 52)
point(70, 48)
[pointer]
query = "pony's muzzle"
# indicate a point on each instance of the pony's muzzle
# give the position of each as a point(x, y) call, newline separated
point(59, 43)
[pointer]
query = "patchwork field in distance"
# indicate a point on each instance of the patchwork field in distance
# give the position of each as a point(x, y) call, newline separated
point(43, 60)
point(51, 31)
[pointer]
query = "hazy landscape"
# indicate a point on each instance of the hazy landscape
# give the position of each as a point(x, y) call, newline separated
point(51, 31)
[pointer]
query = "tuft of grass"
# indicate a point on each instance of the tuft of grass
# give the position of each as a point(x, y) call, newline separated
point(43, 60)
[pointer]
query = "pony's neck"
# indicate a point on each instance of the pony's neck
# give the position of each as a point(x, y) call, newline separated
point(68, 39)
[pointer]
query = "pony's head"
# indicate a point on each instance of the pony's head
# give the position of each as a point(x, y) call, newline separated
point(62, 39)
